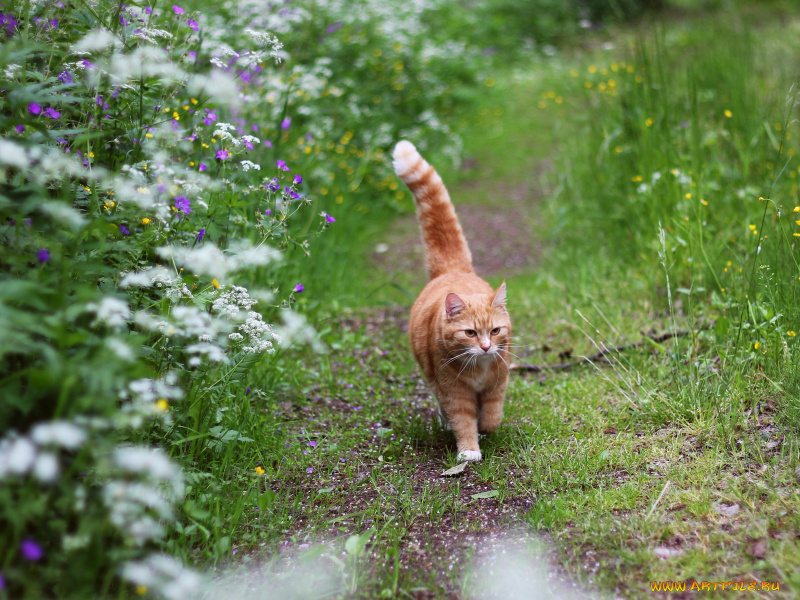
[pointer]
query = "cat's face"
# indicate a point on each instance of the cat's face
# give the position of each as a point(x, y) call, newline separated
point(477, 325)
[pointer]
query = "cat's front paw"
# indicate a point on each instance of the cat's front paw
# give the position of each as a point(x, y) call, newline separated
point(469, 455)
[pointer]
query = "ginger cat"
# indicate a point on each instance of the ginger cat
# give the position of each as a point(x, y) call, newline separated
point(459, 326)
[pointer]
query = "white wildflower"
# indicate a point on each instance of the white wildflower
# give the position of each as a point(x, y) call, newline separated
point(59, 433)
point(233, 299)
point(263, 38)
point(198, 323)
point(120, 349)
point(251, 139)
point(46, 468)
point(245, 254)
point(247, 165)
point(163, 574)
point(59, 211)
point(151, 34)
point(218, 63)
point(260, 334)
point(112, 311)
point(97, 39)
point(297, 330)
point(152, 463)
point(12, 70)
point(214, 352)
point(204, 260)
point(219, 86)
point(153, 277)
point(17, 456)
point(13, 155)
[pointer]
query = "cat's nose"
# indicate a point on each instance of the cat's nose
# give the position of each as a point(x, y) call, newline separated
point(485, 346)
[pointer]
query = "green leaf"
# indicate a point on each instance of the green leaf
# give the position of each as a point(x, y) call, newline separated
point(266, 500)
point(489, 494)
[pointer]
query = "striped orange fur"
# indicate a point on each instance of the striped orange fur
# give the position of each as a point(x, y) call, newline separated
point(459, 327)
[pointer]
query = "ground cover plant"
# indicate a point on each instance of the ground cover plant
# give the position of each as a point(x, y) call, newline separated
point(194, 406)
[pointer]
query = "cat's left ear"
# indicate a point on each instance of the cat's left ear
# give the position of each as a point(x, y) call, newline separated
point(499, 300)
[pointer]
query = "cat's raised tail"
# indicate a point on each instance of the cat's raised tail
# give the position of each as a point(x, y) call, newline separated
point(446, 249)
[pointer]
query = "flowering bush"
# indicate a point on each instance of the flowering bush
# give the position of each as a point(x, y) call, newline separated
point(160, 168)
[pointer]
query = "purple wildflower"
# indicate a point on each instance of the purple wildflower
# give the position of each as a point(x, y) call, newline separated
point(194, 25)
point(52, 112)
point(312, 443)
point(44, 255)
point(292, 194)
point(310, 470)
point(203, 167)
point(209, 118)
point(200, 234)
point(268, 144)
point(9, 23)
point(148, 10)
point(124, 230)
point(329, 218)
point(248, 144)
point(282, 166)
point(299, 288)
point(65, 77)
point(286, 123)
point(19, 128)
point(223, 154)
point(31, 550)
point(268, 212)
point(54, 24)
point(298, 180)
point(178, 10)
point(336, 26)
point(34, 108)
point(182, 204)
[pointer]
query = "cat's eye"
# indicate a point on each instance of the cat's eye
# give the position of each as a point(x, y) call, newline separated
point(495, 331)
point(470, 332)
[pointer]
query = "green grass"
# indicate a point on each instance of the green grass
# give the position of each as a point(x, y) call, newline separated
point(675, 461)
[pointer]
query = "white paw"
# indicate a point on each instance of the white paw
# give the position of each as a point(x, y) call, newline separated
point(469, 455)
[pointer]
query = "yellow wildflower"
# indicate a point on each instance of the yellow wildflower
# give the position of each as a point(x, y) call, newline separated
point(145, 221)
point(259, 470)
point(728, 113)
point(141, 590)
point(791, 333)
point(757, 345)
point(162, 404)
point(649, 122)
point(215, 283)
point(752, 227)
point(592, 69)
point(688, 196)
point(176, 116)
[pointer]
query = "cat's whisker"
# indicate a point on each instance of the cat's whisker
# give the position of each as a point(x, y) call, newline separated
point(452, 360)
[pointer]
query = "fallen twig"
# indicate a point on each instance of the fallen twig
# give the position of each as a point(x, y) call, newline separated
point(601, 355)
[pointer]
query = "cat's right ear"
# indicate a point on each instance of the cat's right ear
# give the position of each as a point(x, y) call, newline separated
point(453, 305)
